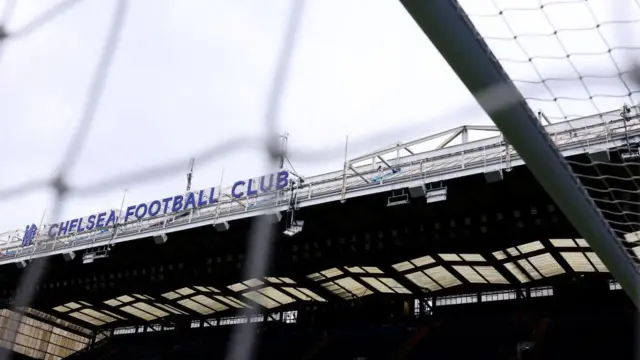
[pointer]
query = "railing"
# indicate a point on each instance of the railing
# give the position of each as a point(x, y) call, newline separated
point(600, 132)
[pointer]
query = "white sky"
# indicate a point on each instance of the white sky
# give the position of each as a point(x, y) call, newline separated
point(190, 73)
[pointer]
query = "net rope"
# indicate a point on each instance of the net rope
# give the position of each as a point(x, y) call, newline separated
point(561, 85)
point(572, 69)
point(567, 78)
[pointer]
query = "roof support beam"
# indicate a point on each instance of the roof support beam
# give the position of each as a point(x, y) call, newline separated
point(453, 34)
point(360, 175)
point(403, 145)
point(482, 128)
point(553, 251)
point(50, 320)
point(384, 161)
point(450, 138)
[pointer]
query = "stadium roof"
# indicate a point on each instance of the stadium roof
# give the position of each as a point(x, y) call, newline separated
point(399, 167)
point(425, 274)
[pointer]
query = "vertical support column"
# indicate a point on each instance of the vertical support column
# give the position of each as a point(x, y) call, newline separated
point(464, 137)
point(344, 173)
point(453, 34)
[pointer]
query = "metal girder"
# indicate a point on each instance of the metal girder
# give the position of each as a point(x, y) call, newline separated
point(51, 320)
point(360, 175)
point(403, 145)
point(451, 135)
point(455, 37)
point(482, 128)
point(450, 138)
point(463, 130)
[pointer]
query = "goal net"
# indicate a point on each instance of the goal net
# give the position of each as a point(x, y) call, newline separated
point(579, 59)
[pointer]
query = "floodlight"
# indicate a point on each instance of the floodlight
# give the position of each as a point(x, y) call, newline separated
point(294, 228)
point(91, 256)
point(630, 155)
point(395, 200)
point(437, 195)
point(88, 258)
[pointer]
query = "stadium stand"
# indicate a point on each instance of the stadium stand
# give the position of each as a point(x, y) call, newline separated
point(493, 272)
point(553, 328)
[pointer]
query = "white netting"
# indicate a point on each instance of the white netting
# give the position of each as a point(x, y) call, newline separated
point(259, 242)
point(612, 179)
point(571, 59)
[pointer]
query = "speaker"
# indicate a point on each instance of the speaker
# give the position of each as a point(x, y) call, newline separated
point(493, 176)
point(600, 156)
point(417, 191)
point(222, 226)
point(69, 256)
point(160, 239)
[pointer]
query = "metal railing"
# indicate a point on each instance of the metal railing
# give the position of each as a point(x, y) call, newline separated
point(598, 132)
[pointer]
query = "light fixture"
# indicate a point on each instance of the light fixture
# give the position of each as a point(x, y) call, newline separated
point(633, 154)
point(294, 228)
point(436, 195)
point(398, 199)
point(90, 256)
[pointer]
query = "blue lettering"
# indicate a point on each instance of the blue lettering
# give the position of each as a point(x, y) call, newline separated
point(130, 210)
point(63, 228)
point(29, 234)
point(152, 211)
point(212, 198)
point(282, 180)
point(251, 192)
point(91, 222)
point(233, 189)
point(267, 188)
point(51, 230)
point(111, 219)
point(141, 214)
point(166, 204)
point(191, 200)
point(100, 222)
point(177, 203)
point(72, 225)
point(201, 200)
point(80, 228)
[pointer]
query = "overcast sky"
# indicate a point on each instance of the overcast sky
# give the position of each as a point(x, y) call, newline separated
point(189, 74)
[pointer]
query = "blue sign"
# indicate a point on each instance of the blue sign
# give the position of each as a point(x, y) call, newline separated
point(29, 234)
point(173, 204)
